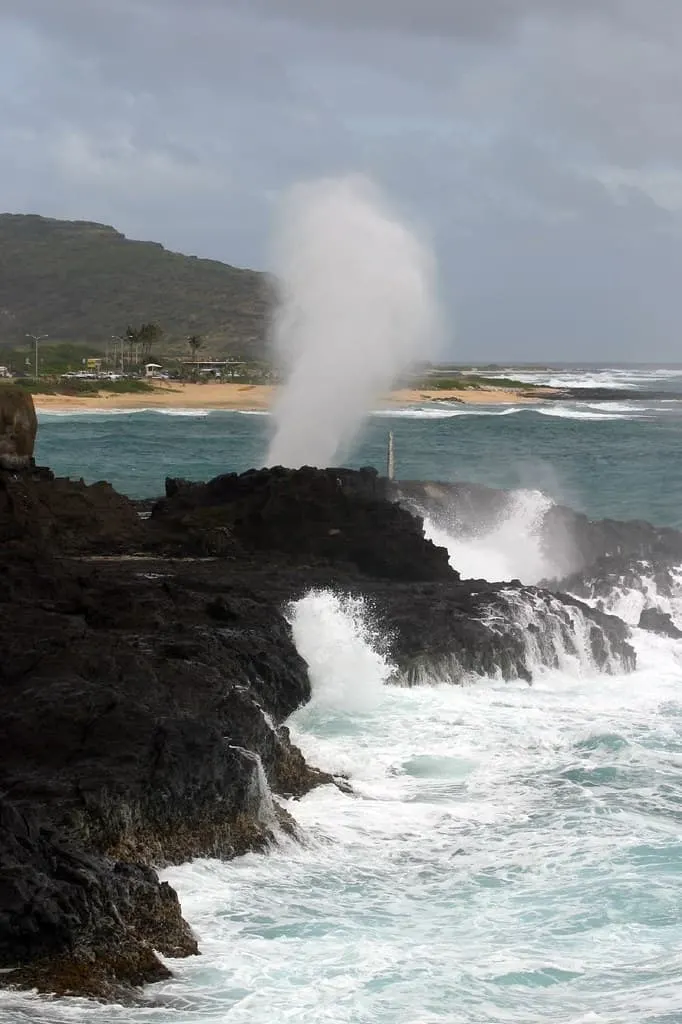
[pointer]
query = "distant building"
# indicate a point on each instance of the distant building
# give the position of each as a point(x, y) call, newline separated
point(214, 367)
point(152, 370)
point(4, 372)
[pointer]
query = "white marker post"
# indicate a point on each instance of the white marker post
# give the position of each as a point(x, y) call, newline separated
point(390, 458)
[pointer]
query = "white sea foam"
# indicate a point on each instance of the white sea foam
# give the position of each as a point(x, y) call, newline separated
point(335, 636)
point(628, 602)
point(260, 796)
point(79, 413)
point(567, 412)
point(47, 414)
point(194, 413)
point(512, 549)
point(574, 411)
point(628, 407)
point(612, 378)
point(525, 835)
point(439, 412)
point(510, 851)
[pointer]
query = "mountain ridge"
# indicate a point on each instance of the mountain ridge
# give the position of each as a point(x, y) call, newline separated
point(86, 281)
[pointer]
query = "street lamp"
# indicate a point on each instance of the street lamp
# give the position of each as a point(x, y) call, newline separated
point(37, 338)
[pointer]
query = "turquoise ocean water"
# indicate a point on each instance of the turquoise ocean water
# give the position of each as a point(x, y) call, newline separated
point(618, 459)
point(513, 854)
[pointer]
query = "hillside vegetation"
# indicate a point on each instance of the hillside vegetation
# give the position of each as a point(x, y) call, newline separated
point(85, 282)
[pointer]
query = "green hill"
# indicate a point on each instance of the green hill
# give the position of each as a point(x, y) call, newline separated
point(85, 282)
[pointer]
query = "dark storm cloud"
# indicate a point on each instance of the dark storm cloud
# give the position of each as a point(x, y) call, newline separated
point(538, 141)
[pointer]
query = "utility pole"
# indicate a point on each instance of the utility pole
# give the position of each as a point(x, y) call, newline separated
point(36, 339)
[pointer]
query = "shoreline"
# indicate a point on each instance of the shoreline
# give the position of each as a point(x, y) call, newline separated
point(261, 397)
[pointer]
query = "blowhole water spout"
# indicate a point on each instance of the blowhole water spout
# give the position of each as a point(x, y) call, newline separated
point(356, 309)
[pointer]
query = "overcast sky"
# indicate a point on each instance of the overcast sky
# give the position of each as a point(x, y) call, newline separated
point(538, 142)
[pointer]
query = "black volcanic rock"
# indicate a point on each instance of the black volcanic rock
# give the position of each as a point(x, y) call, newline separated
point(77, 923)
point(147, 669)
point(65, 516)
point(456, 630)
point(480, 629)
point(139, 711)
point(579, 542)
point(659, 622)
point(612, 574)
point(608, 395)
point(333, 515)
point(127, 708)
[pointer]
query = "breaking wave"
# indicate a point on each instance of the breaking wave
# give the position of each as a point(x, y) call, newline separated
point(511, 550)
point(584, 411)
point(344, 651)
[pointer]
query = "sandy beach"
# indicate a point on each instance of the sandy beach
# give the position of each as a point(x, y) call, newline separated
point(251, 397)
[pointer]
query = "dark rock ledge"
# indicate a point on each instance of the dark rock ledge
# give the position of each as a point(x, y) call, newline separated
point(146, 671)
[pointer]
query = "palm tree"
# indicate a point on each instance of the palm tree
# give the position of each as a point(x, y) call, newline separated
point(150, 334)
point(143, 337)
point(195, 341)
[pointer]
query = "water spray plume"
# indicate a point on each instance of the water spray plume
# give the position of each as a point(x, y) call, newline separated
point(356, 309)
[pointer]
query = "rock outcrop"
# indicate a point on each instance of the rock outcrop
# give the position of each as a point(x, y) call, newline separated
point(66, 516)
point(18, 427)
point(332, 515)
point(71, 922)
point(656, 621)
point(139, 723)
point(608, 577)
point(148, 669)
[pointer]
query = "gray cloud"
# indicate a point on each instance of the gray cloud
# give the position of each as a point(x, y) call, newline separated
point(459, 18)
point(538, 141)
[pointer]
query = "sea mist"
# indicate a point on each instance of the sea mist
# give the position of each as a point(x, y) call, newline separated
point(356, 307)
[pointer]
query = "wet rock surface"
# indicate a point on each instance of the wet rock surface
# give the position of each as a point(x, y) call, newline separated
point(148, 668)
point(656, 621)
point(71, 922)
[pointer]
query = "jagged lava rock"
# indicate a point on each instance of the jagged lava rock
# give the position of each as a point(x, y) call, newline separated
point(138, 702)
point(76, 923)
point(18, 427)
point(334, 515)
point(613, 574)
point(66, 516)
point(656, 621)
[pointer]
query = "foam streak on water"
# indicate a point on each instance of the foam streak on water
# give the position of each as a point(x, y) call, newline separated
point(512, 854)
